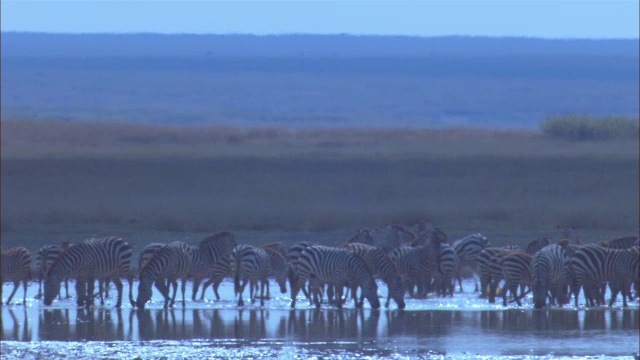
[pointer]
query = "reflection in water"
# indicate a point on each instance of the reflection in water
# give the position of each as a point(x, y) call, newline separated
point(433, 331)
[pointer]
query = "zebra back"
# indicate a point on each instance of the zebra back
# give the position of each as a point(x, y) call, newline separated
point(337, 266)
point(217, 246)
point(626, 242)
point(469, 247)
point(45, 258)
point(16, 264)
point(536, 245)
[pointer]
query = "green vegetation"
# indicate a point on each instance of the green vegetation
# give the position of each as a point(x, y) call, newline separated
point(150, 183)
point(586, 128)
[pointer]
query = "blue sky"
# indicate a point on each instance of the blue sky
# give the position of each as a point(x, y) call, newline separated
point(548, 19)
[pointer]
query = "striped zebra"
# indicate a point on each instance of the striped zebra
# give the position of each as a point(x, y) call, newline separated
point(292, 258)
point(448, 268)
point(280, 248)
point(516, 271)
point(216, 250)
point(321, 264)
point(16, 267)
point(45, 257)
point(362, 236)
point(549, 276)
point(536, 245)
point(624, 243)
point(251, 265)
point(468, 248)
point(421, 266)
point(594, 265)
point(219, 272)
point(380, 266)
point(489, 270)
point(401, 253)
point(87, 262)
point(171, 262)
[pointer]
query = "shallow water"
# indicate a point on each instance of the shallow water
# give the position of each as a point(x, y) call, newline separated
point(462, 327)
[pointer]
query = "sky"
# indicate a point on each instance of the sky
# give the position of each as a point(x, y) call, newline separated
point(539, 18)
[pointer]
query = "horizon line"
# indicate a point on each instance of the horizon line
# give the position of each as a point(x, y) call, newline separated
point(302, 34)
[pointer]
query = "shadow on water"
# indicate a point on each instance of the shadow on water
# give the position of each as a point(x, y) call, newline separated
point(511, 332)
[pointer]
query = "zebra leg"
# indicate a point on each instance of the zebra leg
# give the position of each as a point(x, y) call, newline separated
point(215, 286)
point(16, 285)
point(39, 295)
point(174, 282)
point(100, 291)
point(91, 286)
point(204, 288)
point(80, 291)
point(66, 288)
point(459, 278)
point(265, 284)
point(183, 288)
point(119, 287)
point(196, 285)
point(25, 284)
point(240, 292)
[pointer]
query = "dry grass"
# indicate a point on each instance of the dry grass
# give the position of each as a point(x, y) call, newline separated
point(76, 180)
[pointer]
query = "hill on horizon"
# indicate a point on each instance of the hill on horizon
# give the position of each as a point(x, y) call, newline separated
point(315, 80)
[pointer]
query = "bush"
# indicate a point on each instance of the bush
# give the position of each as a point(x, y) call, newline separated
point(586, 128)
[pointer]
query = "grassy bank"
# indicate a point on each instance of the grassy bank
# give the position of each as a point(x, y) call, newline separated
point(77, 180)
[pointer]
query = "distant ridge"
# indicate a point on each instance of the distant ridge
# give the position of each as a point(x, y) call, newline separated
point(300, 45)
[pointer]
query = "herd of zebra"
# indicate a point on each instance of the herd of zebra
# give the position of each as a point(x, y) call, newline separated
point(414, 262)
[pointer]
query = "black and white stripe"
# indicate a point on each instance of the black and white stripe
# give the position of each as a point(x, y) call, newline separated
point(91, 260)
point(171, 262)
point(516, 271)
point(16, 267)
point(468, 248)
point(381, 266)
point(594, 265)
point(448, 269)
point(253, 265)
point(44, 259)
point(536, 245)
point(321, 264)
point(549, 276)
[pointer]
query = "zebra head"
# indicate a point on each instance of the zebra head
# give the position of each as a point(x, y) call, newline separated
point(51, 288)
point(539, 289)
point(144, 292)
point(370, 291)
point(281, 279)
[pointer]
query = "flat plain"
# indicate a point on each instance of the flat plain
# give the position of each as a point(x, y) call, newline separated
point(66, 180)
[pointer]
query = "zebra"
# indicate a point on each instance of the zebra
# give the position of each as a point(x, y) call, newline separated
point(626, 242)
point(292, 258)
point(215, 251)
point(468, 248)
point(199, 268)
point(448, 267)
point(536, 245)
point(170, 262)
point(47, 254)
point(281, 249)
point(253, 264)
point(549, 275)
point(16, 267)
point(87, 261)
point(380, 265)
point(489, 270)
point(420, 266)
point(396, 236)
point(362, 236)
point(320, 264)
point(395, 256)
point(516, 272)
point(220, 270)
point(593, 265)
